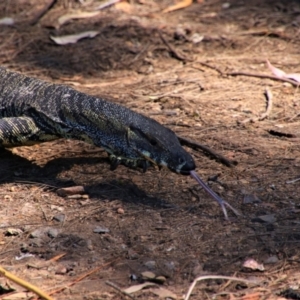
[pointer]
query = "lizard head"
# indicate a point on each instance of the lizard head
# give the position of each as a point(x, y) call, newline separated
point(158, 145)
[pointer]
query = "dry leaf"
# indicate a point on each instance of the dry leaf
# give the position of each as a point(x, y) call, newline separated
point(295, 77)
point(138, 287)
point(77, 15)
point(281, 74)
point(277, 72)
point(73, 38)
point(163, 293)
point(7, 21)
point(180, 5)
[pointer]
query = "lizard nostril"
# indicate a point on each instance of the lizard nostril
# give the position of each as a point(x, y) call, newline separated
point(181, 160)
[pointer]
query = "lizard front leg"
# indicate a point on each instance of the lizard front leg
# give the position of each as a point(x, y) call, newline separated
point(21, 131)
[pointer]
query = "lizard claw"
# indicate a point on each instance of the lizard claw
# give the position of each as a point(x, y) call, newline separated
point(114, 163)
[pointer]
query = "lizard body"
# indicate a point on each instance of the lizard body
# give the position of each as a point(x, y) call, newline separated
point(34, 111)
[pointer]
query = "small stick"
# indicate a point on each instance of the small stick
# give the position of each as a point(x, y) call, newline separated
point(175, 53)
point(294, 83)
point(42, 12)
point(211, 67)
point(215, 155)
point(212, 277)
point(269, 97)
point(292, 181)
point(107, 4)
point(113, 285)
point(78, 279)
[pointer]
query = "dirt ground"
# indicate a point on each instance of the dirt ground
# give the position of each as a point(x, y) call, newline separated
point(174, 67)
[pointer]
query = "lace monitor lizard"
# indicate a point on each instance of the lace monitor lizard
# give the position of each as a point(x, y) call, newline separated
point(34, 111)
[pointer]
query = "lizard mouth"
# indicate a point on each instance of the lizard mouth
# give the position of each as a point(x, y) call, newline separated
point(186, 168)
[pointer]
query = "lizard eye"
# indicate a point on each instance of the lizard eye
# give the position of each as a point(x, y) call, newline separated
point(153, 142)
point(181, 160)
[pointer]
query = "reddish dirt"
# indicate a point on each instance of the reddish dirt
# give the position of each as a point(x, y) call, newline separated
point(159, 221)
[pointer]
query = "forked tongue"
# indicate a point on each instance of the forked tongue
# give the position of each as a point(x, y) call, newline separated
point(221, 202)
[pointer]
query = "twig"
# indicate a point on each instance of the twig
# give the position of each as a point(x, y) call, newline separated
point(212, 277)
point(173, 51)
point(107, 4)
point(113, 285)
point(210, 66)
point(294, 83)
point(42, 12)
point(81, 277)
point(269, 96)
point(25, 284)
point(292, 181)
point(212, 153)
point(269, 99)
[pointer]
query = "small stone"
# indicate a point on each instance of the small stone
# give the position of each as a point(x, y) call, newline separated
point(61, 270)
point(148, 275)
point(151, 264)
point(53, 232)
point(196, 38)
point(59, 217)
point(100, 229)
point(133, 277)
point(170, 265)
point(251, 198)
point(265, 219)
point(132, 254)
point(120, 211)
point(226, 5)
point(89, 245)
point(37, 242)
point(271, 260)
point(38, 233)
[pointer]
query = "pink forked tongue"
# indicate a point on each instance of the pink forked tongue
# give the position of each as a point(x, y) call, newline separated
point(221, 202)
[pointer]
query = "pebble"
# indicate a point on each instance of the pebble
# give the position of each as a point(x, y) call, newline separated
point(37, 242)
point(38, 233)
point(89, 245)
point(151, 264)
point(61, 270)
point(120, 211)
point(59, 217)
point(132, 254)
point(271, 260)
point(265, 219)
point(100, 229)
point(53, 232)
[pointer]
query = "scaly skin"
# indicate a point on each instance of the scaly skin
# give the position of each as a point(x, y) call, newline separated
point(34, 111)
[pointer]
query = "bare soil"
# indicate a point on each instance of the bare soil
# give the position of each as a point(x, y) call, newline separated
point(159, 221)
